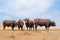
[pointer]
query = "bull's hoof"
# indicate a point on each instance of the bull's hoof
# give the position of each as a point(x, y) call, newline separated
point(22, 30)
point(12, 30)
point(3, 29)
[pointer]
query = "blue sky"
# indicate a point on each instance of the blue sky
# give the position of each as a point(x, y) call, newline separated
point(20, 9)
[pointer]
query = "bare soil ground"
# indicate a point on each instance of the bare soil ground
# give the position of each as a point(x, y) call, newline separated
point(41, 34)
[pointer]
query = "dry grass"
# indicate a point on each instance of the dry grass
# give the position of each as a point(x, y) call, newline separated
point(41, 34)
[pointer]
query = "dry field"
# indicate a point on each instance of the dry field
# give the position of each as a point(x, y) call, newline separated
point(41, 34)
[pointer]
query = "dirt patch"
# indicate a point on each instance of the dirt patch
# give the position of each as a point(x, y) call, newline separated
point(41, 34)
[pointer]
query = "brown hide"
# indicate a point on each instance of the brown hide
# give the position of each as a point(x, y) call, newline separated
point(20, 24)
point(6, 22)
point(11, 23)
point(42, 21)
point(29, 23)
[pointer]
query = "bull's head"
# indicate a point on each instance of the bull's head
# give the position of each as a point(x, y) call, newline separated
point(20, 22)
point(53, 23)
point(26, 20)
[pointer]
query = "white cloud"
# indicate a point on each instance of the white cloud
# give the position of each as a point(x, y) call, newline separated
point(27, 8)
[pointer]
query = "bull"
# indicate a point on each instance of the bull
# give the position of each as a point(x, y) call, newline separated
point(9, 23)
point(44, 22)
point(20, 24)
point(29, 24)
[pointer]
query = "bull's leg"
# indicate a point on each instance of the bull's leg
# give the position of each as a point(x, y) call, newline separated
point(47, 28)
point(30, 28)
point(21, 27)
point(12, 28)
point(18, 27)
point(27, 28)
point(36, 27)
point(4, 27)
point(33, 28)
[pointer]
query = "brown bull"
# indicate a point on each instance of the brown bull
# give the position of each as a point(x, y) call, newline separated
point(20, 24)
point(52, 23)
point(8, 23)
point(29, 24)
point(43, 22)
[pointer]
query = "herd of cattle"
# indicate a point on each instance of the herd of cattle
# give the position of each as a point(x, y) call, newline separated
point(29, 23)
